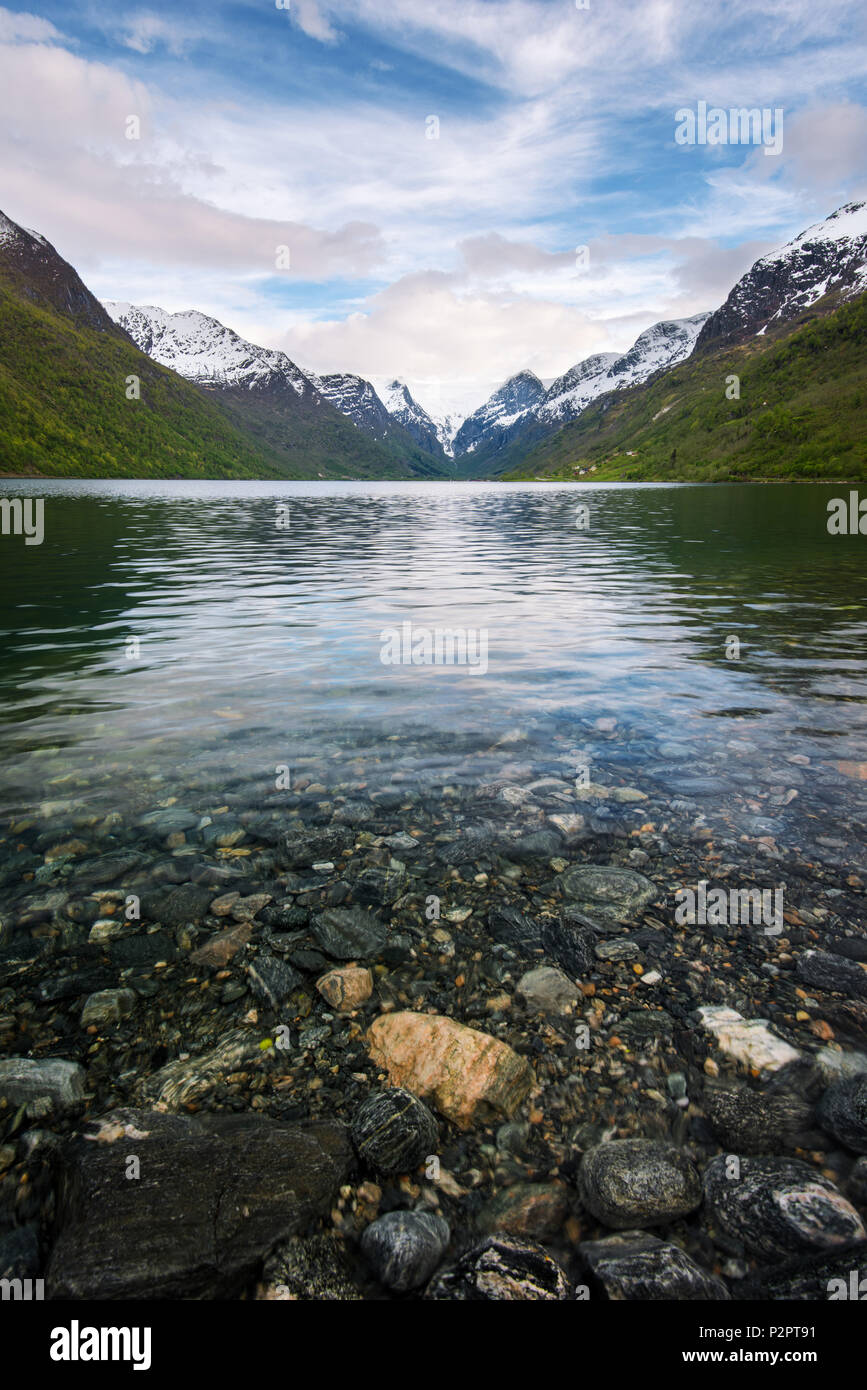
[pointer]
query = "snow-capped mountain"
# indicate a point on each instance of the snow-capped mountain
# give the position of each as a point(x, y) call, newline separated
point(263, 391)
point(402, 406)
point(48, 277)
point(204, 350)
point(447, 425)
point(523, 400)
point(661, 346)
point(377, 407)
point(355, 398)
point(570, 393)
point(493, 423)
point(829, 255)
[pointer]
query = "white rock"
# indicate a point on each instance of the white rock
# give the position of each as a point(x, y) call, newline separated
point(747, 1040)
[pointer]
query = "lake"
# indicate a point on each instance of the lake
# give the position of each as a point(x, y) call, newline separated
point(163, 628)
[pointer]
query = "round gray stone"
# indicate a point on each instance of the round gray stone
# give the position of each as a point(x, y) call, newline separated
point(842, 1112)
point(394, 1131)
point(403, 1248)
point(638, 1182)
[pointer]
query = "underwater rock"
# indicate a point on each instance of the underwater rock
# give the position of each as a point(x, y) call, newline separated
point(464, 1072)
point(215, 1194)
point(394, 1131)
point(778, 1207)
point(638, 1182)
point(635, 1265)
point(606, 892)
point(502, 1268)
point(403, 1248)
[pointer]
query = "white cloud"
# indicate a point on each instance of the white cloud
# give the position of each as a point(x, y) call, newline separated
point(453, 340)
point(71, 172)
point(309, 17)
point(145, 32)
point(31, 28)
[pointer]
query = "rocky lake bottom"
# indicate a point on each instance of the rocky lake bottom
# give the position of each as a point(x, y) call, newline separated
point(379, 1034)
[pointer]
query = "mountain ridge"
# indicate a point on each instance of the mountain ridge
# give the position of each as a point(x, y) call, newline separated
point(274, 416)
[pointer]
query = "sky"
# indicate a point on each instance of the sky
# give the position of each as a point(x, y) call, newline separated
point(443, 191)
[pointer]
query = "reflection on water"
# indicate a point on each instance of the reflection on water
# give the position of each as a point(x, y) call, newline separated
point(259, 644)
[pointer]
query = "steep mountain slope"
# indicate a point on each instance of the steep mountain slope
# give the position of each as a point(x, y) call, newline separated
point(402, 407)
point(65, 373)
point(446, 423)
point(406, 426)
point(492, 426)
point(202, 349)
point(265, 394)
point(829, 255)
point(33, 269)
point(570, 393)
point(800, 411)
point(495, 435)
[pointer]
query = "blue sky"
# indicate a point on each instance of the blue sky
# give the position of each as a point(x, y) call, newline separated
point(449, 262)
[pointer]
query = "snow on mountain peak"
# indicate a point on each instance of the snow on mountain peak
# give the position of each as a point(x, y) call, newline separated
point(829, 255)
point(848, 222)
point(10, 232)
point(201, 348)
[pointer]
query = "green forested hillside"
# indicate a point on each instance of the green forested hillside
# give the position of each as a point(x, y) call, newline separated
point(802, 413)
point(64, 412)
point(311, 436)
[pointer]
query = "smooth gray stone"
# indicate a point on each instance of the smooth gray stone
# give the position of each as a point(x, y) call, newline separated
point(403, 1248)
point(22, 1080)
point(638, 1182)
point(607, 892)
point(349, 933)
point(107, 1006)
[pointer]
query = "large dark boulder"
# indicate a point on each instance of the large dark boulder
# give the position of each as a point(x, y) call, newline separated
point(215, 1194)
